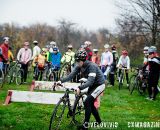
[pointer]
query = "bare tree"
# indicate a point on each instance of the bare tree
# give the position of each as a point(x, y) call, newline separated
point(147, 12)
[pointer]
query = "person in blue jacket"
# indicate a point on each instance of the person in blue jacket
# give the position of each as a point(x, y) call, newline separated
point(55, 58)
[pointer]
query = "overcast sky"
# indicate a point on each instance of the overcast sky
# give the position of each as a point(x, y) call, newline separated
point(90, 14)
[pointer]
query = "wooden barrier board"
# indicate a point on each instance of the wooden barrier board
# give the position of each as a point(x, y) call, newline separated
point(35, 97)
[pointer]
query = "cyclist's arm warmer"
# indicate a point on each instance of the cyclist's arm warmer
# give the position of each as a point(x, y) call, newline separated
point(71, 75)
point(91, 78)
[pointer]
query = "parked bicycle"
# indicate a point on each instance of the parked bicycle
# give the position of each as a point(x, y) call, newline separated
point(139, 81)
point(15, 73)
point(75, 112)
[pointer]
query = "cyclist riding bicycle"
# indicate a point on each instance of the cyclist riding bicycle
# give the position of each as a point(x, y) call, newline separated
point(95, 85)
point(124, 62)
point(154, 72)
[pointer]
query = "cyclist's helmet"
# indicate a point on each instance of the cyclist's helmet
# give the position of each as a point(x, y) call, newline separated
point(44, 50)
point(145, 49)
point(124, 52)
point(35, 42)
point(6, 39)
point(52, 43)
point(106, 46)
point(113, 47)
point(47, 46)
point(87, 43)
point(152, 49)
point(81, 55)
point(69, 46)
point(55, 49)
point(95, 50)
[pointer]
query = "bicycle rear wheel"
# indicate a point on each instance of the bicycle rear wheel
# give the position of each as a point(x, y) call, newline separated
point(57, 115)
point(52, 76)
point(132, 83)
point(78, 111)
point(19, 77)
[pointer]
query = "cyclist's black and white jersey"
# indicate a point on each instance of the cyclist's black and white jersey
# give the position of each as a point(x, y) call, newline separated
point(90, 71)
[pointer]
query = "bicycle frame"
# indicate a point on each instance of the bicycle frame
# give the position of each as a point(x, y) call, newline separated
point(122, 77)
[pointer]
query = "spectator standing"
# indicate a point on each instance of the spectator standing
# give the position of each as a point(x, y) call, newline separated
point(4, 53)
point(87, 47)
point(24, 56)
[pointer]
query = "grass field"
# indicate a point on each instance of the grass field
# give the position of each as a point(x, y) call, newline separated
point(116, 106)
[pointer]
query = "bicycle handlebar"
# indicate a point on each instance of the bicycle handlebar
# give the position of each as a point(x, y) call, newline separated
point(70, 89)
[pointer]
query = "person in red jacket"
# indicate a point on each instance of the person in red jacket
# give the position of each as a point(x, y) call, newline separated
point(87, 47)
point(4, 52)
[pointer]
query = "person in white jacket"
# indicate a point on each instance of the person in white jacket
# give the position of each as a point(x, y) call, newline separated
point(106, 60)
point(36, 49)
point(124, 62)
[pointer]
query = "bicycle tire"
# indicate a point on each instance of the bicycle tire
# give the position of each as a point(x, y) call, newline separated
point(141, 90)
point(10, 76)
point(78, 111)
point(53, 125)
point(120, 81)
point(1, 78)
point(132, 83)
point(51, 76)
point(63, 71)
point(19, 77)
point(36, 73)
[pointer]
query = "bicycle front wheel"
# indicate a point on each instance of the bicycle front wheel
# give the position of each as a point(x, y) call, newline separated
point(78, 111)
point(10, 76)
point(132, 83)
point(1, 78)
point(52, 76)
point(120, 81)
point(57, 115)
point(63, 71)
point(19, 77)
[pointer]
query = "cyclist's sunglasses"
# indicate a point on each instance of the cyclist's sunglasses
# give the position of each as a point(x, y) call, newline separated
point(151, 53)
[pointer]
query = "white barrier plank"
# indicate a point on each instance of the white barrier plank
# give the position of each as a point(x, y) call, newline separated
point(46, 85)
point(37, 97)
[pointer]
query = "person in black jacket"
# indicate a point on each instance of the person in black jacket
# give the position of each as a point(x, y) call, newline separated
point(95, 84)
point(154, 71)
